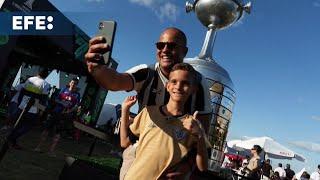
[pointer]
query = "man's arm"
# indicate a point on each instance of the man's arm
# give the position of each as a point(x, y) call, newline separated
point(108, 78)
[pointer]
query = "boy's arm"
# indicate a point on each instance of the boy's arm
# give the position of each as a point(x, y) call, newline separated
point(124, 127)
point(202, 154)
point(125, 140)
point(75, 106)
point(58, 99)
point(196, 129)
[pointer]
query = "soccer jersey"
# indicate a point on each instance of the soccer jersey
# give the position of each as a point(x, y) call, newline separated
point(69, 100)
point(155, 92)
point(163, 142)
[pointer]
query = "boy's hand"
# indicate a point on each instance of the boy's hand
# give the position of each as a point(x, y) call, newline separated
point(129, 102)
point(193, 125)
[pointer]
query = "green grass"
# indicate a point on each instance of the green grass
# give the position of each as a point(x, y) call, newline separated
point(108, 164)
point(26, 164)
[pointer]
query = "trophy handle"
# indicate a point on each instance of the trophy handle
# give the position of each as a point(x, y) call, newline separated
point(246, 8)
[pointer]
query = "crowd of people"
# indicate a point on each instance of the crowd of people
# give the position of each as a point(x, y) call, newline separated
point(253, 168)
point(33, 101)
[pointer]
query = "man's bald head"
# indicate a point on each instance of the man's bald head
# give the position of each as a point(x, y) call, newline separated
point(180, 36)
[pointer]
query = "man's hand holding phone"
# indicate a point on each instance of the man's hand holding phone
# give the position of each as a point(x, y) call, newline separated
point(94, 57)
point(100, 47)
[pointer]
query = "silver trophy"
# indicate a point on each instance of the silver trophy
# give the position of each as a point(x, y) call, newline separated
point(216, 15)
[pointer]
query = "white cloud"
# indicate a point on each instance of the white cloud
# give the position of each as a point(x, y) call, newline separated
point(162, 8)
point(168, 10)
point(310, 146)
point(317, 118)
point(146, 3)
point(316, 3)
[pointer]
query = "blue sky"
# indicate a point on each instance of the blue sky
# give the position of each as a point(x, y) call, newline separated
point(272, 56)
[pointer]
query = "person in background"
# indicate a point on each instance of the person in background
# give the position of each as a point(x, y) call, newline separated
point(266, 169)
point(289, 172)
point(241, 170)
point(64, 110)
point(281, 171)
point(275, 176)
point(11, 115)
point(252, 170)
point(305, 176)
point(316, 175)
point(34, 88)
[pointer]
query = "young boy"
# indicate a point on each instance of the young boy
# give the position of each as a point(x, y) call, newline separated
point(166, 133)
point(64, 110)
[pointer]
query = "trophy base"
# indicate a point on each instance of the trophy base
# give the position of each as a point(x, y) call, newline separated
point(215, 161)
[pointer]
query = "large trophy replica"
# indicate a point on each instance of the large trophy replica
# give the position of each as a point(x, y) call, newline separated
point(216, 15)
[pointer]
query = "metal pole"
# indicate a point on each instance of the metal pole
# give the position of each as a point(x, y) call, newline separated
point(208, 44)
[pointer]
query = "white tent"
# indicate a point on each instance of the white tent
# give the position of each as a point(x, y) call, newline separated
point(272, 148)
point(299, 174)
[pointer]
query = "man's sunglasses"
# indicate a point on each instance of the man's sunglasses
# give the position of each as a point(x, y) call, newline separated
point(170, 45)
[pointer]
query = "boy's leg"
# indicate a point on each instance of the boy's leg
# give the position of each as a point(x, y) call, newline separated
point(10, 116)
point(23, 127)
point(55, 141)
point(13, 113)
point(57, 119)
point(43, 138)
point(49, 124)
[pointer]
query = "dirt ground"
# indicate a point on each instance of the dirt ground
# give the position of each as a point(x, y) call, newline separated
point(26, 164)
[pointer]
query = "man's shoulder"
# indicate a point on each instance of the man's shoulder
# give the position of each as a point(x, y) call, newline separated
point(141, 72)
point(137, 68)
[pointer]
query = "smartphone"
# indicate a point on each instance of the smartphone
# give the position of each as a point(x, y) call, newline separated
point(107, 29)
